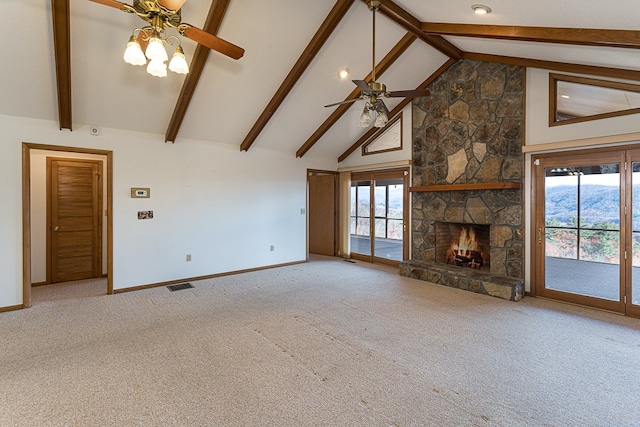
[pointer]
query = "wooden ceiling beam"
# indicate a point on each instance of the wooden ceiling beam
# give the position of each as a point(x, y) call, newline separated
point(62, 48)
point(375, 132)
point(212, 26)
point(617, 73)
point(330, 23)
point(575, 36)
point(412, 24)
point(386, 62)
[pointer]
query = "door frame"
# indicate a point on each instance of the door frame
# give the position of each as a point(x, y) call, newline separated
point(26, 211)
point(622, 154)
point(372, 176)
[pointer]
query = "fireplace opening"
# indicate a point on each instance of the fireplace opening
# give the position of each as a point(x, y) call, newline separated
point(463, 245)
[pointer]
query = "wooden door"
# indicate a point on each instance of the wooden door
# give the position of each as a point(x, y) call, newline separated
point(322, 213)
point(74, 219)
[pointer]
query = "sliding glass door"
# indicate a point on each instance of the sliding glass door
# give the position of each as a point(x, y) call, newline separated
point(587, 228)
point(378, 216)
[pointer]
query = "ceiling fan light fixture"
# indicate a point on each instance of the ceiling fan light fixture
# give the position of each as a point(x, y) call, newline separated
point(155, 50)
point(381, 119)
point(480, 9)
point(365, 117)
point(178, 62)
point(133, 53)
point(157, 68)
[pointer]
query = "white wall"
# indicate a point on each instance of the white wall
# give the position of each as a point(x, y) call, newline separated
point(223, 206)
point(39, 209)
point(540, 137)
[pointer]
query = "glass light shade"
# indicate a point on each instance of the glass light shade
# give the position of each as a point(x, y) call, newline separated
point(381, 119)
point(178, 62)
point(133, 53)
point(157, 68)
point(155, 50)
point(365, 117)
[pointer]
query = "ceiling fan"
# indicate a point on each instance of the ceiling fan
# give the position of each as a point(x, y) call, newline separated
point(162, 14)
point(375, 109)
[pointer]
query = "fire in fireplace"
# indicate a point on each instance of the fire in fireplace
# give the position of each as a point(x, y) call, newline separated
point(464, 245)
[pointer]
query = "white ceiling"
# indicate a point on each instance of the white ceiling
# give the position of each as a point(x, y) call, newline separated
point(231, 95)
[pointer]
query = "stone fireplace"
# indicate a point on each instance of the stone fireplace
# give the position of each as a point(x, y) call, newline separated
point(466, 175)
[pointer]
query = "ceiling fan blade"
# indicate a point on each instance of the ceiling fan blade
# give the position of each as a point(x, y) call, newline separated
point(364, 87)
point(172, 4)
point(348, 101)
point(212, 42)
point(408, 93)
point(113, 3)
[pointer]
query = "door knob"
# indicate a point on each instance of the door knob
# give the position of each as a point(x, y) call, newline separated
point(56, 228)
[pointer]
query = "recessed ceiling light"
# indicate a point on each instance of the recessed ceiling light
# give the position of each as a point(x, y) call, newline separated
point(343, 73)
point(480, 9)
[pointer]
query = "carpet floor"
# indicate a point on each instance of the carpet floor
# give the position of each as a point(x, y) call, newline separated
point(325, 343)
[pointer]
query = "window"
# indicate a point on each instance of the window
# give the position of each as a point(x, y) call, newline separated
point(579, 99)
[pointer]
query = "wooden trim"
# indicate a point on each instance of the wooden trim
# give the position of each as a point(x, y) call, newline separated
point(468, 187)
point(579, 143)
point(573, 36)
point(616, 73)
point(212, 25)
point(410, 23)
point(364, 138)
point(12, 308)
point(553, 98)
point(210, 276)
point(26, 226)
point(388, 60)
point(308, 55)
point(376, 166)
point(62, 52)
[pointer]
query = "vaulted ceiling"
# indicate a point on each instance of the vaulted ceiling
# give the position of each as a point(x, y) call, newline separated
point(63, 62)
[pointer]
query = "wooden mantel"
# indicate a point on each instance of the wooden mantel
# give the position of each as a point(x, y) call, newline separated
point(468, 187)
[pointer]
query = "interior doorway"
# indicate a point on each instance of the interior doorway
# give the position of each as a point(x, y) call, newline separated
point(379, 213)
point(587, 228)
point(28, 151)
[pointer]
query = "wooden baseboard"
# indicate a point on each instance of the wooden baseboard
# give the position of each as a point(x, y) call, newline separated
point(11, 308)
point(39, 284)
point(210, 276)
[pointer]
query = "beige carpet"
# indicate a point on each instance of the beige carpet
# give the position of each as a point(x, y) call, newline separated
point(327, 343)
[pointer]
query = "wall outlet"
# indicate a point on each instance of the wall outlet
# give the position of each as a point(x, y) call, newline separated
point(188, 257)
point(271, 248)
point(303, 211)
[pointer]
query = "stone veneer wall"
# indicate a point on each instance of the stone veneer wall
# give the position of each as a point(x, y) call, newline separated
point(470, 130)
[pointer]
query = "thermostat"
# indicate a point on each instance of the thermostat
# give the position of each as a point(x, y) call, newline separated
point(140, 193)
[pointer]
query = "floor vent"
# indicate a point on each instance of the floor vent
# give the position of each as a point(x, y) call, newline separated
point(349, 260)
point(180, 287)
